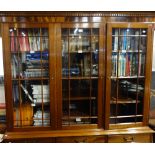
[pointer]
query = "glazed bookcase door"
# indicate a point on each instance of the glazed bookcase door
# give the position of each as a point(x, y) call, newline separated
point(127, 73)
point(80, 50)
point(28, 50)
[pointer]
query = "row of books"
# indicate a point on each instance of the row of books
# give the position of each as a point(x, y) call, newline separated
point(80, 45)
point(2, 113)
point(128, 42)
point(28, 40)
point(34, 94)
point(127, 64)
point(129, 32)
point(35, 63)
point(38, 118)
point(32, 64)
point(36, 73)
point(40, 93)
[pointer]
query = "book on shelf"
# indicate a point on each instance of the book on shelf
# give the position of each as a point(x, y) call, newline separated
point(128, 64)
point(14, 41)
point(2, 118)
point(40, 93)
point(36, 73)
point(128, 40)
point(37, 118)
point(30, 65)
point(28, 40)
point(2, 106)
point(2, 112)
point(23, 41)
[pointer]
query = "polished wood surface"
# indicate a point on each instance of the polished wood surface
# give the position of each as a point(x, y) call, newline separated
point(132, 138)
point(73, 133)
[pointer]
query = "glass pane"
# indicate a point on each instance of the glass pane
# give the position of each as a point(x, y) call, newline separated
point(30, 72)
point(2, 89)
point(66, 112)
point(65, 102)
point(127, 64)
point(41, 104)
point(143, 32)
point(65, 59)
point(80, 31)
point(80, 88)
point(129, 31)
point(2, 101)
point(115, 32)
point(14, 44)
point(95, 55)
point(143, 43)
point(128, 43)
point(95, 31)
point(80, 64)
point(80, 50)
point(114, 43)
point(64, 45)
point(65, 32)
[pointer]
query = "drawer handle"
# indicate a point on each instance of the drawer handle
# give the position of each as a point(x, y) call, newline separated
point(79, 141)
point(128, 139)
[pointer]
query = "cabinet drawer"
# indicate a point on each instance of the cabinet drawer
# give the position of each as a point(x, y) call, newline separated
point(85, 139)
point(139, 138)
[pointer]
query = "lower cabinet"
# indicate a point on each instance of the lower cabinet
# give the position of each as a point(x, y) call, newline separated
point(85, 139)
point(130, 138)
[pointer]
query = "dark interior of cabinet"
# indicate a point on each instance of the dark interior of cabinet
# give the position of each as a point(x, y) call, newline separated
point(152, 104)
point(80, 47)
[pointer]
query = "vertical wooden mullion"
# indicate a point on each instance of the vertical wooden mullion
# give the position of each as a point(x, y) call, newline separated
point(148, 72)
point(137, 76)
point(90, 90)
point(117, 76)
point(58, 72)
point(52, 75)
point(69, 77)
point(108, 75)
point(19, 108)
point(101, 79)
point(41, 49)
point(7, 76)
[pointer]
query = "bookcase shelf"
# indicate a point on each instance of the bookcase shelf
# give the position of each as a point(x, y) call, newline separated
point(124, 101)
point(80, 98)
point(32, 78)
point(80, 78)
point(127, 77)
point(128, 116)
point(74, 117)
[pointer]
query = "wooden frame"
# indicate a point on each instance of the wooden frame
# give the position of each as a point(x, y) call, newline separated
point(101, 74)
point(8, 81)
point(55, 21)
point(147, 69)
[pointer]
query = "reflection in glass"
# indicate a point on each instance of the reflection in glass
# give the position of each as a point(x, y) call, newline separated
point(30, 72)
point(80, 52)
point(2, 89)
